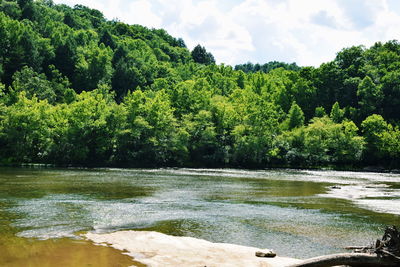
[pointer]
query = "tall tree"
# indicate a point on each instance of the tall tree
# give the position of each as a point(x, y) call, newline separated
point(370, 97)
point(295, 116)
point(200, 55)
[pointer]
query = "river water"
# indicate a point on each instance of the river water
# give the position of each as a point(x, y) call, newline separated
point(298, 213)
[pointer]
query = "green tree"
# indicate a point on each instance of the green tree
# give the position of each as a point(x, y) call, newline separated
point(65, 54)
point(295, 117)
point(11, 9)
point(85, 130)
point(326, 141)
point(21, 46)
point(190, 96)
point(150, 136)
point(319, 112)
point(370, 97)
point(135, 66)
point(33, 84)
point(337, 113)
point(391, 90)
point(390, 145)
point(373, 127)
point(25, 131)
point(253, 134)
point(200, 55)
point(93, 67)
point(202, 144)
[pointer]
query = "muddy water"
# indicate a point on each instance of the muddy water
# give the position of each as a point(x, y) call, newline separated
point(17, 252)
point(297, 213)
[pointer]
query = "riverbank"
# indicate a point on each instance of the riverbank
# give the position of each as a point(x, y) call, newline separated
point(157, 249)
point(351, 168)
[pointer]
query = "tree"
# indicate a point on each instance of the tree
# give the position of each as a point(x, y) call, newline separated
point(373, 127)
point(319, 112)
point(33, 84)
point(107, 39)
point(150, 136)
point(336, 113)
point(241, 79)
point(202, 144)
point(93, 67)
point(370, 97)
point(190, 97)
point(25, 130)
point(29, 10)
point(23, 3)
point(135, 66)
point(200, 55)
point(351, 60)
point(66, 55)
point(11, 9)
point(85, 130)
point(390, 144)
point(329, 79)
point(256, 126)
point(21, 46)
point(327, 141)
point(295, 117)
point(391, 90)
point(304, 93)
point(267, 67)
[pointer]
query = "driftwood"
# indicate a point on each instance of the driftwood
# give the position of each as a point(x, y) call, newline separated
point(385, 252)
point(348, 259)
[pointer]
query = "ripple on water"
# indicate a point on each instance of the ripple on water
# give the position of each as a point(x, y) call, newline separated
point(279, 209)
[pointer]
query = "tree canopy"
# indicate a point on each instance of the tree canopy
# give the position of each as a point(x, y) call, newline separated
point(78, 89)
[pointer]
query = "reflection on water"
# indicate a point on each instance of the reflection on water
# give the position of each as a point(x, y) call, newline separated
point(297, 213)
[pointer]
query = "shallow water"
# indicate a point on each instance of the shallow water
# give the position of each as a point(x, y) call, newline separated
point(297, 213)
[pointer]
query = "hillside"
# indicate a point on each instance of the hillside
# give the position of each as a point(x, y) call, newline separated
point(78, 89)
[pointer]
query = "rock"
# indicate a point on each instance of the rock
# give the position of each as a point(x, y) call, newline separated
point(266, 253)
point(335, 187)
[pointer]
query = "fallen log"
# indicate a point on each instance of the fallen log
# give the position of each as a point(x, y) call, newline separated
point(350, 259)
point(385, 252)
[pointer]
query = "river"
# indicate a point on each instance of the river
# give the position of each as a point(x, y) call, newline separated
point(298, 213)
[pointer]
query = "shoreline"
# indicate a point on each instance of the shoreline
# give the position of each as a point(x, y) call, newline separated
point(157, 249)
point(366, 168)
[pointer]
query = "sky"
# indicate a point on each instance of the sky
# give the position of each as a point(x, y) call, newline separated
point(308, 32)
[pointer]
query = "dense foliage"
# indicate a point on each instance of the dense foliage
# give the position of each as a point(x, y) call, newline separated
point(267, 67)
point(77, 89)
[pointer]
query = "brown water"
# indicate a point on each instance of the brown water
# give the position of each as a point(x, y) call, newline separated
point(17, 252)
point(297, 213)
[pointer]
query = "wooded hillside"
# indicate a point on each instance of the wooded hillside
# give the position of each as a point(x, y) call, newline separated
point(77, 89)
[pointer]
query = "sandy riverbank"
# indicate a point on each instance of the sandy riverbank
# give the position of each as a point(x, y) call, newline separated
point(156, 249)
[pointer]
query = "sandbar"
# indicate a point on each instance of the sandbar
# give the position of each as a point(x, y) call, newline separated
point(157, 249)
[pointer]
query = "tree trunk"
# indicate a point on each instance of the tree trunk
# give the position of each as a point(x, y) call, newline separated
point(350, 259)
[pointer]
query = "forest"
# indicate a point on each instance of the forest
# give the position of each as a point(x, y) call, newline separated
point(77, 89)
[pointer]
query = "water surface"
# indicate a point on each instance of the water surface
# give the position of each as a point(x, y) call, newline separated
point(297, 213)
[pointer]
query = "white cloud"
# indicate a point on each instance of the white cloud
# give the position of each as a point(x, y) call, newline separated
point(308, 32)
point(142, 13)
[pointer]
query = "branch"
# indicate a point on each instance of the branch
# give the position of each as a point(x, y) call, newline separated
point(352, 259)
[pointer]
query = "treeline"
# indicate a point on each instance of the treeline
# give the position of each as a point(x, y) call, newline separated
point(77, 89)
point(267, 67)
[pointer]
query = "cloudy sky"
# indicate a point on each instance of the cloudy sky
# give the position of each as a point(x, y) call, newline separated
point(308, 32)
